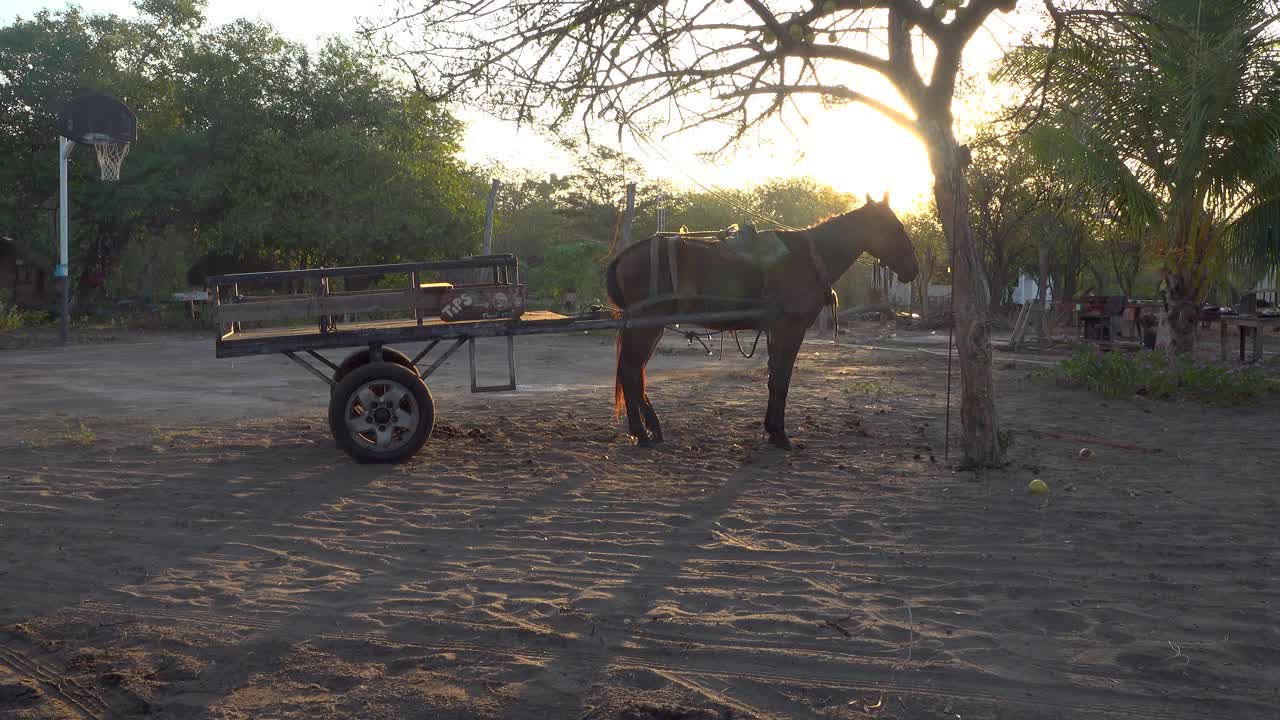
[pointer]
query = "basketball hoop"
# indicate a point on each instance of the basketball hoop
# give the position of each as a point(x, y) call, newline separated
point(111, 158)
point(105, 123)
point(110, 127)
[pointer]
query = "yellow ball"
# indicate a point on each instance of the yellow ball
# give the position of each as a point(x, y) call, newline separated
point(1038, 487)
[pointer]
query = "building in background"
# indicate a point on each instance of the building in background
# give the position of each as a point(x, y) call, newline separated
point(26, 277)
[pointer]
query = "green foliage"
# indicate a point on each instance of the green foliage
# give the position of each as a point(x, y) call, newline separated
point(249, 145)
point(14, 318)
point(82, 435)
point(1155, 375)
point(1172, 110)
point(571, 267)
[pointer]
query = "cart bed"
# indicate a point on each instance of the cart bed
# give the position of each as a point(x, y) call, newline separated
point(260, 341)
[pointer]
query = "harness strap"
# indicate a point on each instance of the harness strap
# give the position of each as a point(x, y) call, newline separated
point(746, 303)
point(655, 258)
point(673, 248)
point(819, 266)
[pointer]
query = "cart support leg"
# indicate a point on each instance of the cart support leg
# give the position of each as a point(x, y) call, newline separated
point(511, 369)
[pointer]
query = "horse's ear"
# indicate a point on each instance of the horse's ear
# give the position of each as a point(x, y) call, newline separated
point(869, 200)
point(886, 198)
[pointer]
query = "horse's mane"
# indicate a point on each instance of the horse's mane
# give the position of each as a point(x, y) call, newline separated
point(837, 216)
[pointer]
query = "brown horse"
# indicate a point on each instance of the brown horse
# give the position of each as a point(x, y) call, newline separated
point(698, 276)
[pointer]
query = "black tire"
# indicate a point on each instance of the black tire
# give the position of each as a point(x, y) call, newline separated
point(363, 446)
point(360, 358)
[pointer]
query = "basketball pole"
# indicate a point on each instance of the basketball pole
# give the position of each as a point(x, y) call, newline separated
point(65, 147)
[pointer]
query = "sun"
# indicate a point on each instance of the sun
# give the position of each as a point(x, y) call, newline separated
point(856, 149)
point(852, 148)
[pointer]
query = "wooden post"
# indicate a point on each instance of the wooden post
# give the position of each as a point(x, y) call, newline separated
point(629, 217)
point(488, 217)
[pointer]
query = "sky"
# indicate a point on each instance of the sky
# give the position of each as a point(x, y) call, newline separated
point(852, 148)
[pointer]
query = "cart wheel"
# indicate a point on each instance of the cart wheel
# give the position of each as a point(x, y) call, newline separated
point(381, 412)
point(360, 358)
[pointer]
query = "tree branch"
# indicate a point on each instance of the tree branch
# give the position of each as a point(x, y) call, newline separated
point(899, 118)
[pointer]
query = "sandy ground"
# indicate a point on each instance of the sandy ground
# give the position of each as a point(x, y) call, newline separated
point(180, 539)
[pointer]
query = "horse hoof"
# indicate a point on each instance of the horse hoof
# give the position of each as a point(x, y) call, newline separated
point(781, 441)
point(644, 442)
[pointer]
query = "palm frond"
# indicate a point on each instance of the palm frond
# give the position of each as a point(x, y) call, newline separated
point(1086, 158)
point(1253, 241)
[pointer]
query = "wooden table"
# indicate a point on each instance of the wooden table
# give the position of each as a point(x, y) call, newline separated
point(1247, 323)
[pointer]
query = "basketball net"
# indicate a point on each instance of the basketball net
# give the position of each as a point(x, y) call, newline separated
point(110, 158)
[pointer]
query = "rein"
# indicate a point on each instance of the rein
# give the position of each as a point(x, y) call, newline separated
point(754, 343)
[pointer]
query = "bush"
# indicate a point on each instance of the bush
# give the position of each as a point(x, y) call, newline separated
point(1151, 374)
point(12, 318)
point(576, 267)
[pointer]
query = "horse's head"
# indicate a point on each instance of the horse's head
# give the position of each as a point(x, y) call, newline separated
point(887, 239)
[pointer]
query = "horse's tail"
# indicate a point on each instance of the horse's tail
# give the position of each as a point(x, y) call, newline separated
point(614, 291)
point(619, 398)
point(611, 287)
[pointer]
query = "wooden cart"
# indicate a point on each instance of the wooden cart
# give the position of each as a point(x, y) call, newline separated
point(380, 409)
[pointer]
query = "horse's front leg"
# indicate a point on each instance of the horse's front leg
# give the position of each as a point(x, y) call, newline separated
point(651, 419)
point(784, 345)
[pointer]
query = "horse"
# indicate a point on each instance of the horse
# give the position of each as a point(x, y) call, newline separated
point(693, 276)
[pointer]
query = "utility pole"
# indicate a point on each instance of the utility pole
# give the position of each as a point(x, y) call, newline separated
point(629, 217)
point(488, 216)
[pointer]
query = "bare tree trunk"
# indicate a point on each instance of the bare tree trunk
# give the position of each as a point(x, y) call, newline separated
point(1044, 288)
point(971, 296)
point(1184, 315)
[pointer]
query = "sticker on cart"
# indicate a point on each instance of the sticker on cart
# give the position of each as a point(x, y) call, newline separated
point(483, 303)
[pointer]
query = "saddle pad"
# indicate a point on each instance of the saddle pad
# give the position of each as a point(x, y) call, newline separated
point(759, 248)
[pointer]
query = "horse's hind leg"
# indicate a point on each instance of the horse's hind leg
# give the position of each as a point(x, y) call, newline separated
point(636, 347)
point(651, 420)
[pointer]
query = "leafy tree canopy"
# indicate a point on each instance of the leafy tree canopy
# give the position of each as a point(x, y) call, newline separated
point(249, 144)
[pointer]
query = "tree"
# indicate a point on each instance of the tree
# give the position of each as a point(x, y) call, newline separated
point(931, 251)
point(1172, 107)
point(716, 63)
point(1123, 247)
point(1007, 191)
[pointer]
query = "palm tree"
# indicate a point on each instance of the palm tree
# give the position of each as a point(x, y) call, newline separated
point(1172, 109)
